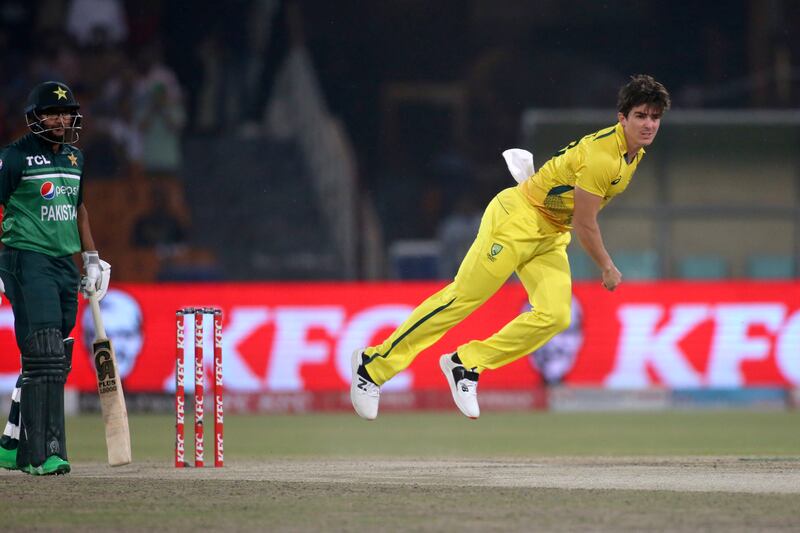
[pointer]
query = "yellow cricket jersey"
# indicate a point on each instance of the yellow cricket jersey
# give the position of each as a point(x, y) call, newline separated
point(596, 164)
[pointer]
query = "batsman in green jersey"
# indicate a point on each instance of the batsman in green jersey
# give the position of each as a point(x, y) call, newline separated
point(44, 224)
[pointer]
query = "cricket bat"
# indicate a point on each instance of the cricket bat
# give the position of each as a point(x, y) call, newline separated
point(112, 400)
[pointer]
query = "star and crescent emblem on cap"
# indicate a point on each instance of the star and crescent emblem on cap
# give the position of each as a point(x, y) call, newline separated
point(61, 93)
point(73, 160)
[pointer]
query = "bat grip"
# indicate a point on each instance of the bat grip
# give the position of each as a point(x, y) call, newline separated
point(99, 330)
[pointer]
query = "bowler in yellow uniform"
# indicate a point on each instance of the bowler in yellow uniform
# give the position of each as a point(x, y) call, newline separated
point(525, 229)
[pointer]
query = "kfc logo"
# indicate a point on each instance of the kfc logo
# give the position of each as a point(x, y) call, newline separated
point(180, 407)
point(220, 452)
point(742, 333)
point(180, 452)
point(218, 409)
point(288, 338)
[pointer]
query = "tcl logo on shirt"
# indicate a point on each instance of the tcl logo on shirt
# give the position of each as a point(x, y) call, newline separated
point(38, 160)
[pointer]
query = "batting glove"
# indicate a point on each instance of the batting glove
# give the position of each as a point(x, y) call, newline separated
point(97, 275)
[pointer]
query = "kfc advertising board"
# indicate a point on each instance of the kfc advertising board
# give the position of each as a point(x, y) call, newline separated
point(298, 337)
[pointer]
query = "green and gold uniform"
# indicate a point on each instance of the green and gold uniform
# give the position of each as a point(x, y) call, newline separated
point(525, 229)
point(596, 164)
point(41, 192)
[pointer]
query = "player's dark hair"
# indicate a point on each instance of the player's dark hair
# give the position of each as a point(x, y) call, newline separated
point(642, 89)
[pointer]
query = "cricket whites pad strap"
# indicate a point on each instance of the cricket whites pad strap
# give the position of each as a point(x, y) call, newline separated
point(43, 357)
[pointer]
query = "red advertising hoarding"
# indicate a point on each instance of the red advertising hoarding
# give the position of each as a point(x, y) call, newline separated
point(298, 337)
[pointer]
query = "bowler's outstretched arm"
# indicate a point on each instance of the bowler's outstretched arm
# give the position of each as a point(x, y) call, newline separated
point(584, 221)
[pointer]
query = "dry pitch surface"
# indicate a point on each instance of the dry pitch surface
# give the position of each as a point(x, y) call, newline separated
point(534, 490)
point(554, 494)
point(726, 475)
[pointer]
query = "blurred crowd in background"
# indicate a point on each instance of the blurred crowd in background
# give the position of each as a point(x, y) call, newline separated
point(429, 93)
point(148, 74)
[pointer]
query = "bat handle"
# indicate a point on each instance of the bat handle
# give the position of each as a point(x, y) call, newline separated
point(100, 331)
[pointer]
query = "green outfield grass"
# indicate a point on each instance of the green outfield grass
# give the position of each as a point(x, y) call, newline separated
point(442, 434)
point(438, 471)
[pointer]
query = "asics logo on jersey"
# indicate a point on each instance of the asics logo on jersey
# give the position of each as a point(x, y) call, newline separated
point(614, 182)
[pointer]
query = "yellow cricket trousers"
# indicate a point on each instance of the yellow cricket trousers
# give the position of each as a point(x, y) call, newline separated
point(512, 238)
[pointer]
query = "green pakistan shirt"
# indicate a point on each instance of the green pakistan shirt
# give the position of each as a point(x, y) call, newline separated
point(41, 192)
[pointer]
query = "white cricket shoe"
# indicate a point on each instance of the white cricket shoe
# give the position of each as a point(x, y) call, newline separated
point(463, 385)
point(364, 394)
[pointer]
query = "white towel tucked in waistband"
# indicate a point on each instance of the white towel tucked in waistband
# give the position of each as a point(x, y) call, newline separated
point(520, 163)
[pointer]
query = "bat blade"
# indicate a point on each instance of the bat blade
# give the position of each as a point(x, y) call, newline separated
point(112, 403)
